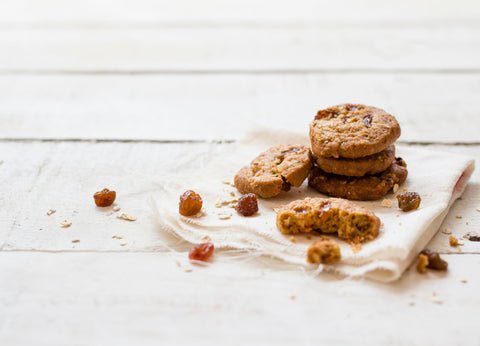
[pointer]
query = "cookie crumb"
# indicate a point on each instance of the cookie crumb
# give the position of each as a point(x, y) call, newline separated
point(51, 211)
point(76, 241)
point(188, 270)
point(446, 231)
point(227, 182)
point(116, 208)
point(206, 238)
point(435, 299)
point(387, 203)
point(127, 217)
point(395, 188)
point(324, 251)
point(116, 237)
point(65, 224)
point(422, 264)
point(356, 247)
point(123, 244)
point(463, 281)
point(458, 216)
point(224, 216)
point(453, 241)
point(232, 194)
point(411, 304)
point(293, 297)
point(292, 239)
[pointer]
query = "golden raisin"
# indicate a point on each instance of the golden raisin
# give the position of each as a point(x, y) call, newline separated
point(409, 201)
point(104, 198)
point(201, 252)
point(247, 204)
point(422, 264)
point(190, 203)
point(435, 262)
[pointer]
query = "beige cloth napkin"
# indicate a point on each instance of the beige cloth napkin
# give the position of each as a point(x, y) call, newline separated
point(440, 178)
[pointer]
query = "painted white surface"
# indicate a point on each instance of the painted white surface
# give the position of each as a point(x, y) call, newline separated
point(98, 292)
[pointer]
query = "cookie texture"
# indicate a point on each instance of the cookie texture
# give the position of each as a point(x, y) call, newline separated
point(366, 188)
point(367, 165)
point(352, 131)
point(348, 220)
point(324, 251)
point(275, 170)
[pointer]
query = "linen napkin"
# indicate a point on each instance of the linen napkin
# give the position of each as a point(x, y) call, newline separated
point(440, 178)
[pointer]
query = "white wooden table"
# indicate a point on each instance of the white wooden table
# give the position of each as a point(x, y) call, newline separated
point(95, 92)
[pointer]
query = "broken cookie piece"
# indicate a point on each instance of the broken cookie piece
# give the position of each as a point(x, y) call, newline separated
point(275, 170)
point(324, 251)
point(350, 221)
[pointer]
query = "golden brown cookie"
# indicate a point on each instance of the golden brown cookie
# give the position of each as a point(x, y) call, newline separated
point(366, 188)
point(352, 131)
point(275, 170)
point(329, 215)
point(367, 165)
point(325, 251)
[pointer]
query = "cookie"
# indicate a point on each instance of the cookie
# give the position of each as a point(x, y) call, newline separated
point(366, 188)
point(324, 251)
point(352, 131)
point(367, 165)
point(275, 170)
point(349, 221)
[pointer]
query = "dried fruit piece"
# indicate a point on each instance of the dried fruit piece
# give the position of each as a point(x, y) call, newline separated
point(201, 252)
point(104, 198)
point(453, 241)
point(435, 262)
point(324, 251)
point(408, 201)
point(190, 203)
point(247, 204)
point(422, 264)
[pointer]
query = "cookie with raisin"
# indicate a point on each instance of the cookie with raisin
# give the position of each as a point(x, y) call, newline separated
point(275, 170)
point(367, 188)
point(352, 131)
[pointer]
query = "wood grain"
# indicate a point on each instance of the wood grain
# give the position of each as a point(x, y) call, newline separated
point(58, 299)
point(430, 108)
point(64, 176)
point(253, 48)
point(185, 11)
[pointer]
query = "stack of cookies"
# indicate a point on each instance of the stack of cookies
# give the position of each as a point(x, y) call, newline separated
point(354, 152)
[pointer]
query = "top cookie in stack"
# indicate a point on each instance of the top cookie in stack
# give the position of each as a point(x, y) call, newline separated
point(353, 151)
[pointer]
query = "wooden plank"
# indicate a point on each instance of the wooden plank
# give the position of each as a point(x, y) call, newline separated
point(430, 108)
point(126, 299)
point(106, 11)
point(334, 47)
point(39, 176)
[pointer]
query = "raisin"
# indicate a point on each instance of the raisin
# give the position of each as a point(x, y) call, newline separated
point(190, 203)
point(247, 204)
point(104, 198)
point(201, 252)
point(435, 262)
point(409, 201)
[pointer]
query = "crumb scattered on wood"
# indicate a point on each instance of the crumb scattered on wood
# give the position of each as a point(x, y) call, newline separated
point(188, 270)
point(463, 281)
point(123, 244)
point(387, 203)
point(458, 216)
point(116, 237)
point(76, 241)
point(446, 231)
point(51, 211)
point(206, 238)
point(65, 224)
point(453, 241)
point(127, 217)
point(232, 203)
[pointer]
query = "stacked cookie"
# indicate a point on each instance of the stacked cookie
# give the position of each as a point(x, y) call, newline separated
point(354, 153)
